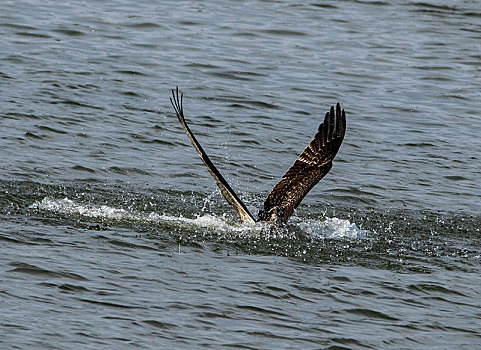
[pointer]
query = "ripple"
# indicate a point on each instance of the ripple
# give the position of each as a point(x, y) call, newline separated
point(428, 288)
point(159, 324)
point(76, 104)
point(83, 168)
point(37, 271)
point(5, 76)
point(283, 32)
point(372, 314)
point(144, 25)
point(108, 304)
point(50, 129)
point(29, 134)
point(70, 32)
point(33, 35)
point(71, 288)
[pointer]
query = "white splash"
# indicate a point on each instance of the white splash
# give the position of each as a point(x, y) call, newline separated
point(207, 221)
point(332, 228)
point(68, 206)
point(327, 228)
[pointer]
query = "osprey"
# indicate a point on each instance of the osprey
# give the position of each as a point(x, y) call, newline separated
point(311, 166)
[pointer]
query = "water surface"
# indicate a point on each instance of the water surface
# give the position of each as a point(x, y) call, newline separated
point(113, 234)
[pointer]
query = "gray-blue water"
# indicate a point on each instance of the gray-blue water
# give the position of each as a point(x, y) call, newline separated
point(113, 234)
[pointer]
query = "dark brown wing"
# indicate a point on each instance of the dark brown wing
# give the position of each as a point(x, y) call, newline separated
point(313, 164)
point(225, 189)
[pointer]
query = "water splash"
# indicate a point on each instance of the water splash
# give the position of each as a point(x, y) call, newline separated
point(333, 228)
point(69, 207)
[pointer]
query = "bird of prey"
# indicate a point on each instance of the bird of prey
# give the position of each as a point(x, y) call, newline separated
point(311, 166)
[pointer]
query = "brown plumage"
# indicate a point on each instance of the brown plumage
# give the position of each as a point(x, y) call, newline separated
point(313, 164)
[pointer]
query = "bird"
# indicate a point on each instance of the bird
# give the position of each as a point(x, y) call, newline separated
point(311, 166)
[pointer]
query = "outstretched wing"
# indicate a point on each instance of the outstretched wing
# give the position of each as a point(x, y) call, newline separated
point(313, 164)
point(225, 189)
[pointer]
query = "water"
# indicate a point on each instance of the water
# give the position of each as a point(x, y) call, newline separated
point(113, 234)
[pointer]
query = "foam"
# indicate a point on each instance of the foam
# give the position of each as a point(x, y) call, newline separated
point(325, 228)
point(69, 207)
point(332, 228)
